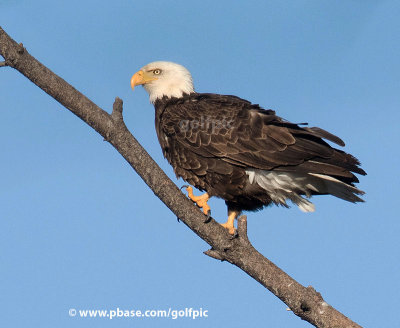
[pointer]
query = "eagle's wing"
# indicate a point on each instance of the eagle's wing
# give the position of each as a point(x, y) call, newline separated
point(236, 131)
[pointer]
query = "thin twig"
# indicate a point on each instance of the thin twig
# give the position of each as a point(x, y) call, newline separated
point(215, 254)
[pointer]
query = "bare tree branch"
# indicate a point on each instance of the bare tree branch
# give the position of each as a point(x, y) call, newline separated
point(303, 301)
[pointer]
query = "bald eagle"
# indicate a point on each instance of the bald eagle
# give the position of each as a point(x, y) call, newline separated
point(240, 152)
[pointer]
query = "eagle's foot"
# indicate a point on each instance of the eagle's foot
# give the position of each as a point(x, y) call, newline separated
point(200, 201)
point(229, 224)
point(230, 227)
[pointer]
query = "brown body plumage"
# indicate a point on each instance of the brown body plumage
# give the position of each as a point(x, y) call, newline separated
point(240, 152)
point(212, 140)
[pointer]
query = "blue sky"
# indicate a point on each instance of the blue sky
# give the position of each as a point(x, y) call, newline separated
point(80, 230)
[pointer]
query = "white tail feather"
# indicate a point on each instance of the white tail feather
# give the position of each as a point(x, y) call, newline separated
point(283, 186)
point(335, 187)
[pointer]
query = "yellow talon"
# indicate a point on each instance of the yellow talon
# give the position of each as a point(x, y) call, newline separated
point(229, 224)
point(201, 201)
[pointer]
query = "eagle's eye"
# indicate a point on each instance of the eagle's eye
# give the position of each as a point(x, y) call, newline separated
point(157, 72)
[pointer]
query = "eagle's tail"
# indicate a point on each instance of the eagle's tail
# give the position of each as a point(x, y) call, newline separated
point(330, 185)
point(283, 186)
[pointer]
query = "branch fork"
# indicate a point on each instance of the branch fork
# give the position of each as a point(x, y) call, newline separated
point(116, 114)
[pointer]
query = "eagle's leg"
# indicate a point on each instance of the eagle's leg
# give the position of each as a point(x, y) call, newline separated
point(229, 224)
point(201, 201)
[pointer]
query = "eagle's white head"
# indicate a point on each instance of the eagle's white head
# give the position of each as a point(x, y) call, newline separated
point(162, 78)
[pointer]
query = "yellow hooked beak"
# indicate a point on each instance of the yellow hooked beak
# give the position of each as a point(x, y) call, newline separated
point(141, 77)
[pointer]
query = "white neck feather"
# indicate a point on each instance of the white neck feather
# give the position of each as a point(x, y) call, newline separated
point(172, 89)
point(174, 81)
